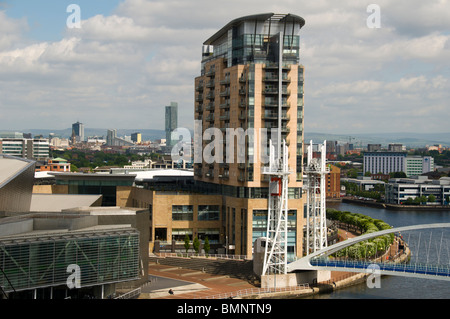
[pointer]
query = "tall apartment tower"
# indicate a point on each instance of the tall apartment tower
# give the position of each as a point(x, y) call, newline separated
point(78, 131)
point(171, 123)
point(241, 86)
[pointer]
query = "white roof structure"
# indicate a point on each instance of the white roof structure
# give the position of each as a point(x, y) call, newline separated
point(143, 175)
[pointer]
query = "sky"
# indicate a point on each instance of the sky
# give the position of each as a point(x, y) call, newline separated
point(131, 58)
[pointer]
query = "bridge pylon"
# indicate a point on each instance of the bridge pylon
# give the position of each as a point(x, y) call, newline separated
point(316, 226)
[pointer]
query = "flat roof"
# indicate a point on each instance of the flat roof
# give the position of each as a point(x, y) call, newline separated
point(59, 202)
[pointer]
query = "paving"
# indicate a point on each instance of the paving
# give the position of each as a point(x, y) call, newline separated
point(188, 283)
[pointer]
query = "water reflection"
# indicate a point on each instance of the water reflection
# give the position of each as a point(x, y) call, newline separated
point(396, 287)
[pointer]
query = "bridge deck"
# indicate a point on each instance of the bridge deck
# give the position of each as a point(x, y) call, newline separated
point(416, 268)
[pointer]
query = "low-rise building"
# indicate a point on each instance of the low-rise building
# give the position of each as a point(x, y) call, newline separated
point(399, 190)
point(54, 165)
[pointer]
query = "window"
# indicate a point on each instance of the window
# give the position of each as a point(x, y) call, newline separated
point(208, 212)
point(182, 212)
point(213, 235)
point(179, 234)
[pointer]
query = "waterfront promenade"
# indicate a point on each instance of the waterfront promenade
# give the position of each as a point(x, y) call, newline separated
point(194, 284)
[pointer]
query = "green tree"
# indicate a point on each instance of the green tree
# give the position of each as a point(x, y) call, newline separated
point(431, 198)
point(196, 245)
point(206, 246)
point(187, 243)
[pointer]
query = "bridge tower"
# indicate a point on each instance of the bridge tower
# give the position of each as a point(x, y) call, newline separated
point(275, 254)
point(316, 227)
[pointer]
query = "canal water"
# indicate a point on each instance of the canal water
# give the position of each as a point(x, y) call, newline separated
point(398, 287)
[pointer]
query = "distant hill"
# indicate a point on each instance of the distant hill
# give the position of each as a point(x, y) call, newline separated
point(412, 140)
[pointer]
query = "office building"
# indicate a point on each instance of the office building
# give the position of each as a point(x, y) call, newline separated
point(399, 190)
point(35, 149)
point(136, 138)
point(391, 162)
point(171, 123)
point(384, 162)
point(78, 132)
point(418, 165)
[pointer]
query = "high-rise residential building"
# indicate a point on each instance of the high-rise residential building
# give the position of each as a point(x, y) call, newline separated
point(171, 120)
point(250, 70)
point(78, 131)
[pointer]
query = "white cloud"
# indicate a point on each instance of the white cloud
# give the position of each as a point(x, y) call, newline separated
point(121, 70)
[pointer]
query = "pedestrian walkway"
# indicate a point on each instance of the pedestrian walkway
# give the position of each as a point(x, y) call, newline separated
point(188, 283)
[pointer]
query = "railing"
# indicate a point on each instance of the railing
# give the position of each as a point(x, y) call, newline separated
point(256, 291)
point(130, 295)
point(416, 268)
point(203, 255)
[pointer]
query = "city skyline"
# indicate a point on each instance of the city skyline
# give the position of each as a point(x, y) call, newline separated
point(131, 58)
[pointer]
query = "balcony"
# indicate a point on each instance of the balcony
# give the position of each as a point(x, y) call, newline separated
point(226, 92)
point(225, 81)
point(199, 98)
point(274, 66)
point(210, 117)
point(273, 90)
point(274, 103)
point(225, 116)
point(274, 78)
point(210, 84)
point(210, 106)
point(210, 95)
point(225, 105)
